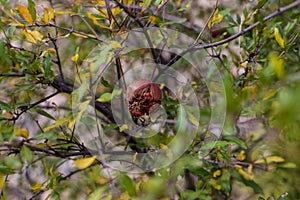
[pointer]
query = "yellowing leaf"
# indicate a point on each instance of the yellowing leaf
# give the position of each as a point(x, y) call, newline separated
point(123, 127)
point(277, 64)
point(146, 4)
point(192, 119)
point(36, 186)
point(56, 124)
point(217, 18)
point(134, 157)
point(166, 150)
point(269, 159)
point(250, 169)
point(241, 156)
point(278, 37)
point(32, 36)
point(246, 175)
point(2, 182)
point(95, 20)
point(79, 35)
point(25, 13)
point(60, 12)
point(84, 162)
point(269, 95)
point(105, 97)
point(22, 132)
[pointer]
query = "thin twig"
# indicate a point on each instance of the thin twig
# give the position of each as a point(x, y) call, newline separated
point(206, 23)
point(58, 57)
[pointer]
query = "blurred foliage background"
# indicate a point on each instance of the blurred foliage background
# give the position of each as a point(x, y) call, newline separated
point(44, 46)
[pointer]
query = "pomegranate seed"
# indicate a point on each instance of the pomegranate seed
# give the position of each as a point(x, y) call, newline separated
point(148, 95)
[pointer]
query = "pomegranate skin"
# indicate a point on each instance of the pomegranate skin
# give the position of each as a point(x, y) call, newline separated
point(141, 95)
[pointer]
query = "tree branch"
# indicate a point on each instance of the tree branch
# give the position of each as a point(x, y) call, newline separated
point(249, 28)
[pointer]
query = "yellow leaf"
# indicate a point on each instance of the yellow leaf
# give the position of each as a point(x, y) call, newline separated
point(152, 19)
point(32, 36)
point(49, 50)
point(48, 15)
point(278, 37)
point(22, 132)
point(84, 162)
point(269, 159)
point(75, 57)
point(217, 173)
point(29, 37)
point(278, 65)
point(102, 180)
point(56, 124)
point(134, 157)
point(79, 35)
point(25, 13)
point(115, 11)
point(123, 127)
point(216, 186)
point(36, 186)
point(99, 2)
point(217, 18)
point(246, 175)
point(60, 12)
point(192, 119)
point(250, 169)
point(241, 156)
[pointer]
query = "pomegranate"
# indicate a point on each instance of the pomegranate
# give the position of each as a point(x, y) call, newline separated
point(141, 95)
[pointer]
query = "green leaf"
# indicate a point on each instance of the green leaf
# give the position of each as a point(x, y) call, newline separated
point(44, 113)
point(48, 73)
point(146, 4)
point(260, 4)
point(78, 94)
point(128, 185)
point(31, 8)
point(26, 154)
point(51, 136)
point(5, 106)
point(236, 140)
point(110, 126)
point(13, 162)
point(97, 194)
point(105, 83)
point(105, 97)
point(6, 170)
